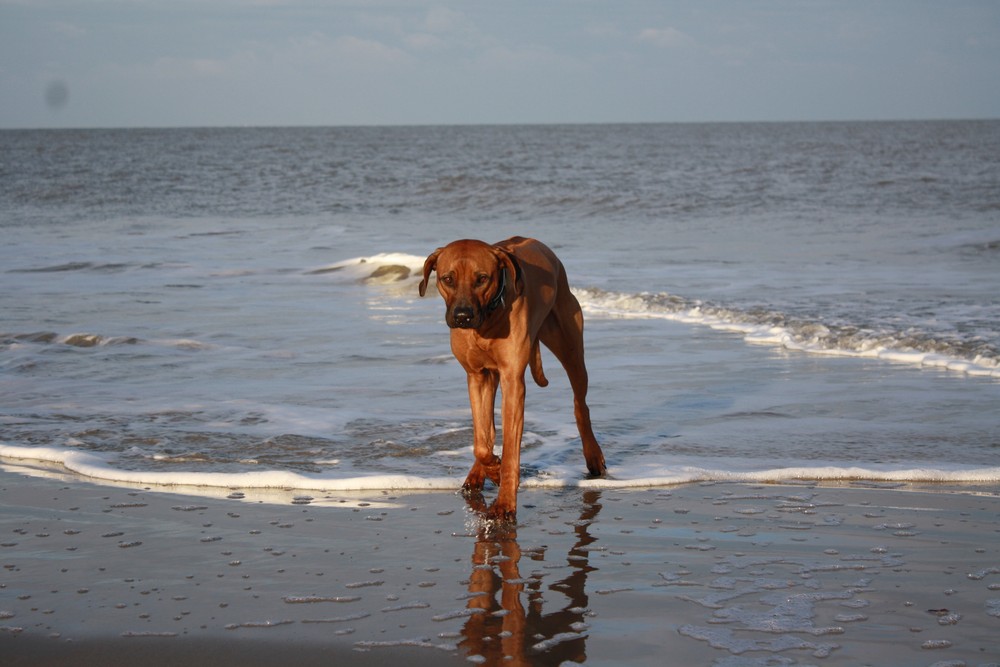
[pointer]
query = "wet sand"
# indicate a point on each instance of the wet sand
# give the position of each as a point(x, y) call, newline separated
point(726, 574)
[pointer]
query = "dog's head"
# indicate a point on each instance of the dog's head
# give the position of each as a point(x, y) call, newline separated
point(474, 278)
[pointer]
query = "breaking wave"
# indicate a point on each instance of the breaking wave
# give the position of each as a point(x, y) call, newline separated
point(85, 340)
point(769, 327)
point(762, 326)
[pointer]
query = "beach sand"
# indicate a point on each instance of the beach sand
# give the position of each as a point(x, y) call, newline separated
point(702, 574)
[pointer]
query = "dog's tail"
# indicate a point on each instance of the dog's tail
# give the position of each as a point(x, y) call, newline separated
point(536, 366)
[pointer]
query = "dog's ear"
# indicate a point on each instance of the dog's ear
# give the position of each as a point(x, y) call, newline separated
point(509, 262)
point(429, 264)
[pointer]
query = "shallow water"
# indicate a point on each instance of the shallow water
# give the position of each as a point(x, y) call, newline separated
point(762, 301)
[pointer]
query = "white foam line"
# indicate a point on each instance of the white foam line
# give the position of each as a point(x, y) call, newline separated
point(95, 467)
point(626, 307)
point(688, 475)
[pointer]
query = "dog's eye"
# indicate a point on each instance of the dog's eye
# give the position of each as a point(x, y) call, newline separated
point(482, 279)
point(448, 280)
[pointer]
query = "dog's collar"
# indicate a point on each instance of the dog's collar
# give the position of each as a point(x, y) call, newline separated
point(497, 301)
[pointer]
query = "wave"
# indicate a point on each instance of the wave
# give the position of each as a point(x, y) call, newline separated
point(399, 271)
point(99, 468)
point(760, 326)
point(85, 340)
point(383, 268)
point(77, 266)
point(767, 327)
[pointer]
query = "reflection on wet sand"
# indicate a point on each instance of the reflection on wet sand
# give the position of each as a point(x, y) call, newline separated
point(516, 630)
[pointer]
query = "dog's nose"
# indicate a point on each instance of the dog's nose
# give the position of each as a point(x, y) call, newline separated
point(462, 317)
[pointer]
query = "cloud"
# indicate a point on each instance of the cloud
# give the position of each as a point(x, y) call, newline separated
point(444, 28)
point(186, 68)
point(305, 60)
point(669, 38)
point(436, 29)
point(317, 52)
point(368, 51)
point(733, 54)
point(422, 41)
point(442, 19)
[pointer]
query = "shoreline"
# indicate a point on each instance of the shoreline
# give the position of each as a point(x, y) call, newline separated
point(776, 573)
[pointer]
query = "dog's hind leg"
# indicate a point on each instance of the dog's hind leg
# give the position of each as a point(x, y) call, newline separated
point(562, 332)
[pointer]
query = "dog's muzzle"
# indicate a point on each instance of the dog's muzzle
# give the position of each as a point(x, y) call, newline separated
point(462, 317)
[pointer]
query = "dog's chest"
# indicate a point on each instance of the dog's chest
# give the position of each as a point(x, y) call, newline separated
point(477, 353)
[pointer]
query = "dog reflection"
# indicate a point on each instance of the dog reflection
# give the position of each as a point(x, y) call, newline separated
point(515, 630)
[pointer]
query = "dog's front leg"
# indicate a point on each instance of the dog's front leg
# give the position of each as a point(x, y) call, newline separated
point(482, 398)
point(505, 506)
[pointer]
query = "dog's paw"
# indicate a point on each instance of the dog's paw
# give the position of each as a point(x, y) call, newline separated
point(473, 484)
point(502, 513)
point(480, 472)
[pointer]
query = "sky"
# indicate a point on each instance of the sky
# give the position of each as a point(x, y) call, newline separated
point(169, 63)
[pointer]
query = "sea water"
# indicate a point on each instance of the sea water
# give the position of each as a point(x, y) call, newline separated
point(238, 308)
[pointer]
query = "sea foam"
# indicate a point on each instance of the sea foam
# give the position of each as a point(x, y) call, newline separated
point(774, 328)
point(100, 469)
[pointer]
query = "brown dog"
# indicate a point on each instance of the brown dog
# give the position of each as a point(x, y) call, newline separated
point(501, 300)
